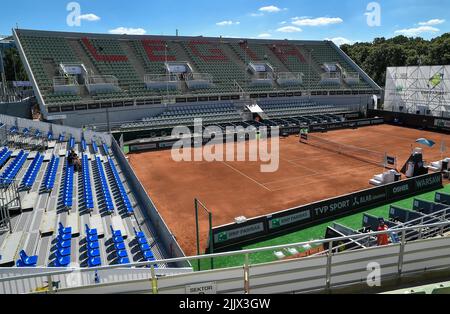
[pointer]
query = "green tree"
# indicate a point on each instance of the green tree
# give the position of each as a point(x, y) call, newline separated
point(375, 57)
point(14, 70)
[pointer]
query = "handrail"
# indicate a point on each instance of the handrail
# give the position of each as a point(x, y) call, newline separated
point(396, 228)
point(215, 255)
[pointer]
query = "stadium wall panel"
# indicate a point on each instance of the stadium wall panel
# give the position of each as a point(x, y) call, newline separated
point(348, 271)
point(235, 235)
point(115, 115)
point(165, 236)
point(412, 120)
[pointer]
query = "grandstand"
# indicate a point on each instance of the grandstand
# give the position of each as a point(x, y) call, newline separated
point(54, 216)
point(76, 74)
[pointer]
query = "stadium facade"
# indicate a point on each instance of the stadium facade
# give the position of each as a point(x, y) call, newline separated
point(104, 80)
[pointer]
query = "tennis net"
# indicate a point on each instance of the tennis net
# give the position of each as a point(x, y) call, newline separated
point(361, 154)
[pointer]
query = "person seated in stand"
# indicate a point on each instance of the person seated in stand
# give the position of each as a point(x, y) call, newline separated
point(74, 160)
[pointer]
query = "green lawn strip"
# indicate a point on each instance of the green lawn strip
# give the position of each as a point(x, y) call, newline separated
point(312, 233)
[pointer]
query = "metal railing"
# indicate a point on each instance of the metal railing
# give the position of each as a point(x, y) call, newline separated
point(149, 78)
point(102, 79)
point(9, 200)
point(25, 141)
point(49, 275)
point(411, 234)
point(199, 76)
point(64, 81)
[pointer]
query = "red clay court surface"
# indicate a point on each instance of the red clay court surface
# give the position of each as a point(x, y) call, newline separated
point(306, 174)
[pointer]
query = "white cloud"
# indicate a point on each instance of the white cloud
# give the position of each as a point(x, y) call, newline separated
point(289, 29)
point(227, 23)
point(432, 22)
point(270, 9)
point(90, 17)
point(128, 31)
point(415, 31)
point(319, 21)
point(264, 35)
point(339, 41)
point(256, 14)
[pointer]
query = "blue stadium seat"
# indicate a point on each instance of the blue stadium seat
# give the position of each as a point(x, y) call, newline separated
point(25, 260)
point(92, 244)
point(64, 230)
point(115, 233)
point(13, 130)
point(63, 251)
point(105, 189)
point(87, 188)
point(119, 246)
point(105, 148)
point(31, 174)
point(94, 262)
point(68, 186)
point(124, 260)
point(64, 236)
point(64, 240)
point(144, 246)
point(71, 143)
point(83, 145)
point(4, 156)
point(139, 234)
point(61, 261)
point(148, 255)
point(93, 253)
point(50, 175)
point(123, 194)
point(121, 253)
point(61, 138)
point(92, 238)
point(11, 171)
point(90, 231)
point(95, 147)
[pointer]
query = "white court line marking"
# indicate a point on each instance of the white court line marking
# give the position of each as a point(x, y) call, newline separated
point(309, 183)
point(388, 134)
point(243, 174)
point(299, 166)
point(323, 174)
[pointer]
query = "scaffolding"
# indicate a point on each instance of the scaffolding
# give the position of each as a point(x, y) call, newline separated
point(423, 90)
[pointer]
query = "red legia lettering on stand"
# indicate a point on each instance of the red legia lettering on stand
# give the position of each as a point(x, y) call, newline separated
point(249, 52)
point(101, 57)
point(152, 46)
point(216, 52)
point(284, 51)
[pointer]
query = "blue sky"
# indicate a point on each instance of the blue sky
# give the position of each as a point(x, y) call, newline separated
point(340, 20)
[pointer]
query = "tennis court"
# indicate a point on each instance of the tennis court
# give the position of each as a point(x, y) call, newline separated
point(234, 188)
